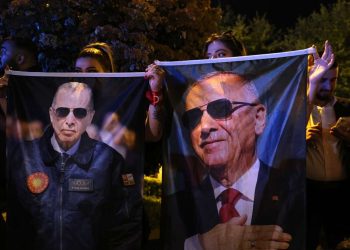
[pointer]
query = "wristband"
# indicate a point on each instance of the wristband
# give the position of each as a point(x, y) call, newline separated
point(153, 97)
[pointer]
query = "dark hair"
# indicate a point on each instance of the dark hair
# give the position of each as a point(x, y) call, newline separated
point(100, 51)
point(24, 44)
point(229, 40)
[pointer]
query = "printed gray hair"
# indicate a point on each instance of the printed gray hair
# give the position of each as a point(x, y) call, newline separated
point(73, 87)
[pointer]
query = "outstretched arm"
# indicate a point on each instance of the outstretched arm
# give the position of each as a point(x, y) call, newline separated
point(154, 124)
point(320, 66)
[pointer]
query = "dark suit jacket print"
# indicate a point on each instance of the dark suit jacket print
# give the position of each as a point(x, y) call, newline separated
point(279, 200)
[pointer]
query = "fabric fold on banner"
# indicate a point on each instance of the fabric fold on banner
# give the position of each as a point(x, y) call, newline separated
point(236, 123)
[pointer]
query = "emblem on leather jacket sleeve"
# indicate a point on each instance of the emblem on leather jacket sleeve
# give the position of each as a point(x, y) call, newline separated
point(37, 182)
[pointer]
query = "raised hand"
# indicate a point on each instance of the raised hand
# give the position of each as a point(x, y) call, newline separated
point(155, 75)
point(320, 66)
point(313, 131)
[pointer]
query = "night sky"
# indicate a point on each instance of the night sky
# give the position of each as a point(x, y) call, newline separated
point(282, 13)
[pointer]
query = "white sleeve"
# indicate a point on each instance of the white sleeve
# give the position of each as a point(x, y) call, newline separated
point(192, 243)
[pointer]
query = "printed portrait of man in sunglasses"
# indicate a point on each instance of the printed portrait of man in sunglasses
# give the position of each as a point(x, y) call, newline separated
point(66, 190)
point(241, 203)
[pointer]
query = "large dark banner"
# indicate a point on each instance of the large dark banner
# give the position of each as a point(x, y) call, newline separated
point(75, 160)
point(235, 152)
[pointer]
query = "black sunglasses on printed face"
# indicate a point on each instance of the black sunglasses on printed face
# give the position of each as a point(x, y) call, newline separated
point(62, 112)
point(219, 109)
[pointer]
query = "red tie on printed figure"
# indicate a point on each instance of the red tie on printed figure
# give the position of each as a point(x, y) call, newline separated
point(229, 198)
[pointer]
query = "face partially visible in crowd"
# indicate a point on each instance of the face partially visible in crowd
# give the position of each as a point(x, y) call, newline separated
point(69, 127)
point(217, 49)
point(225, 141)
point(88, 65)
point(8, 55)
point(326, 88)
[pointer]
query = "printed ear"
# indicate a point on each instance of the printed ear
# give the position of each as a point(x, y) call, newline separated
point(91, 115)
point(51, 114)
point(260, 119)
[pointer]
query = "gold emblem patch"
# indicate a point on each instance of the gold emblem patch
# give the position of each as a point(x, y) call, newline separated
point(37, 182)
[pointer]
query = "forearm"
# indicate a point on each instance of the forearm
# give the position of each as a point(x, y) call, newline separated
point(154, 123)
point(310, 99)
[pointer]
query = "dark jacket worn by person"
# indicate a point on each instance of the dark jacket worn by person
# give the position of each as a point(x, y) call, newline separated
point(85, 205)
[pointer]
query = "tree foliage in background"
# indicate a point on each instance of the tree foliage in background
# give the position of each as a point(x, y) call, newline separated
point(139, 31)
point(257, 34)
point(328, 23)
point(142, 31)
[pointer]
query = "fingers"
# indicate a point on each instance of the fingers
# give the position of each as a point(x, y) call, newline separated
point(240, 220)
point(150, 66)
point(331, 60)
point(4, 80)
point(328, 55)
point(156, 75)
point(266, 232)
point(154, 68)
point(326, 51)
point(270, 235)
point(263, 228)
point(7, 69)
point(313, 131)
point(266, 237)
point(316, 126)
point(267, 245)
point(315, 55)
point(229, 236)
point(321, 64)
